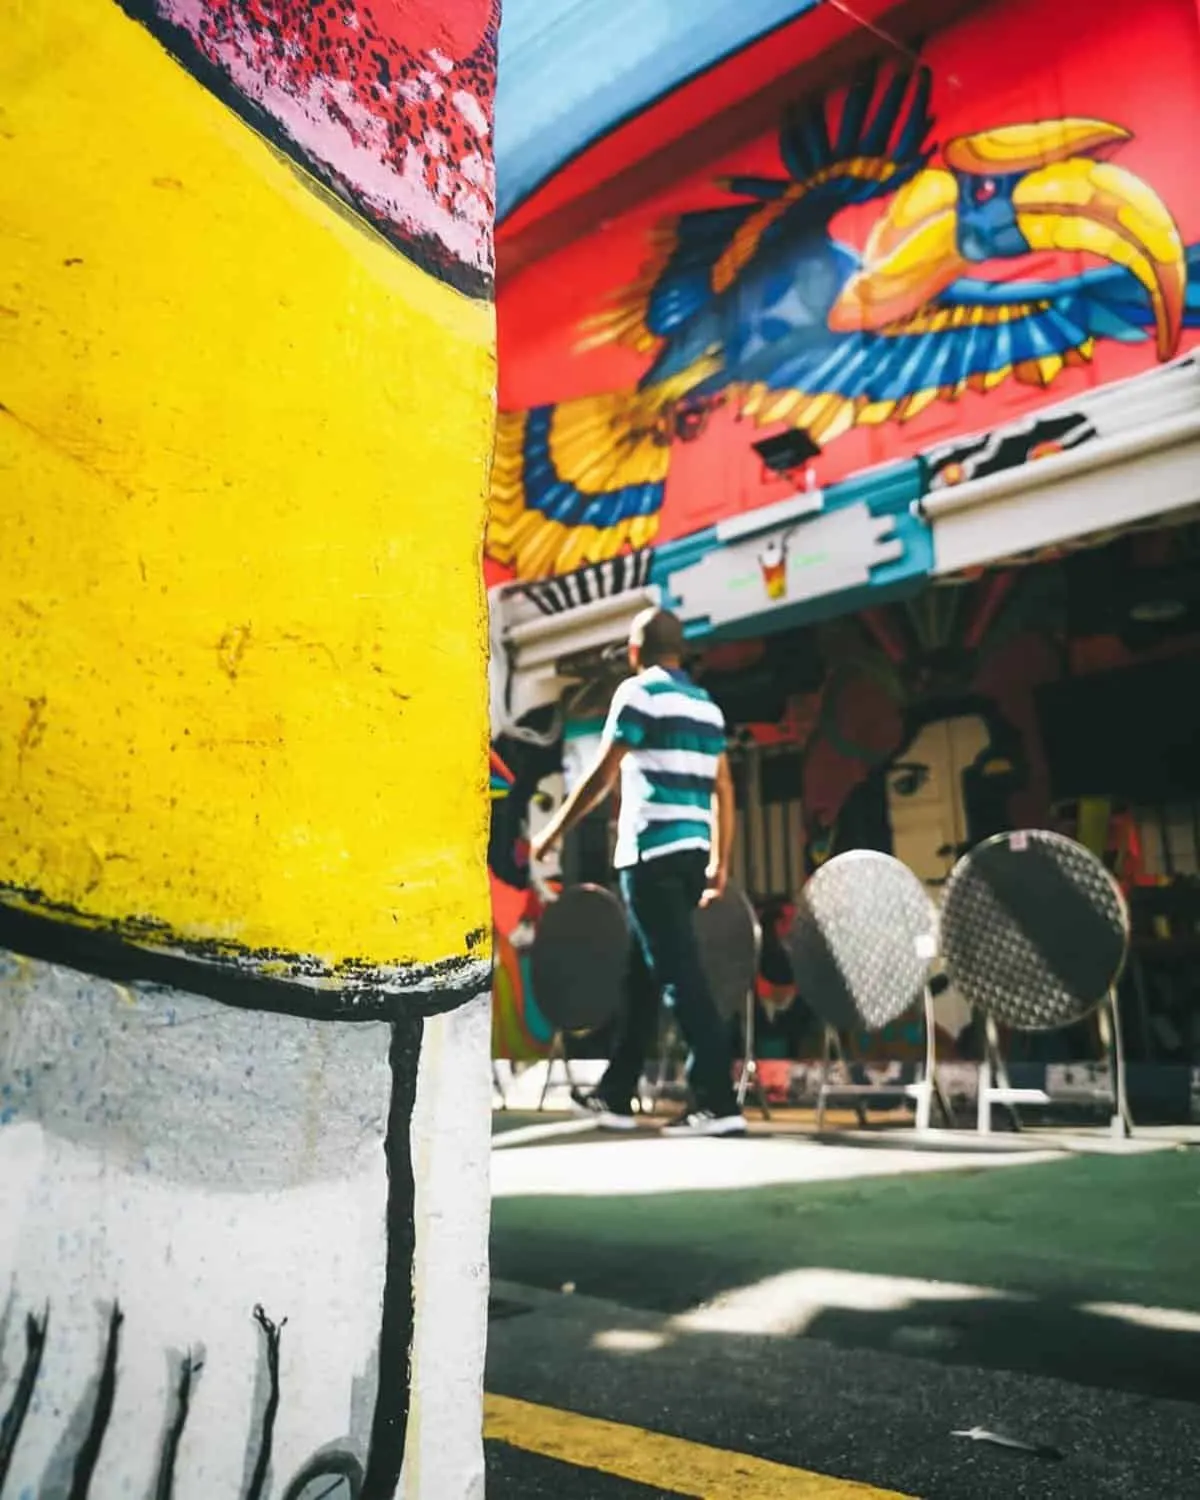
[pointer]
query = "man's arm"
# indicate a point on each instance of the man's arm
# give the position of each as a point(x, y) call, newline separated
point(592, 788)
point(724, 808)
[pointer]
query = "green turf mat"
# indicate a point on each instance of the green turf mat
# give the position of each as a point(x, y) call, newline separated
point(1121, 1229)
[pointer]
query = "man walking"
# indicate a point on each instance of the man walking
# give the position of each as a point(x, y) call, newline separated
point(665, 737)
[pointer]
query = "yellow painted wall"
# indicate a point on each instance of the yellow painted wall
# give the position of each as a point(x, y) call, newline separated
point(243, 459)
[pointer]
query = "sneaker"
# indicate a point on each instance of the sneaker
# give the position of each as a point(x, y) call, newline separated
point(703, 1122)
point(596, 1108)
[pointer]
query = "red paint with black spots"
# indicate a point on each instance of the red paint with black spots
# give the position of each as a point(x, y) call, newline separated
point(389, 103)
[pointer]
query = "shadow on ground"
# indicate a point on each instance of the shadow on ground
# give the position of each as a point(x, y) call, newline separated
point(860, 1414)
point(513, 1475)
point(1054, 1239)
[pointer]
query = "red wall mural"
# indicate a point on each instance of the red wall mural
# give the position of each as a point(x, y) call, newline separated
point(924, 253)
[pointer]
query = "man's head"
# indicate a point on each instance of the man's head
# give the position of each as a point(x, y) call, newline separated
point(655, 640)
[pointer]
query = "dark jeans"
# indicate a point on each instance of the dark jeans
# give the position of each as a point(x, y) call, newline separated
point(660, 897)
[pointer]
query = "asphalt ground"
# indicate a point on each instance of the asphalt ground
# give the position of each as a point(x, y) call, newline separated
point(513, 1472)
point(840, 1313)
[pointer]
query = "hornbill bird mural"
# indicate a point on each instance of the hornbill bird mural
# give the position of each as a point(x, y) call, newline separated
point(758, 304)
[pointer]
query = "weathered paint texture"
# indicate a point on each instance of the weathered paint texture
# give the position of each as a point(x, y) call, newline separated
point(244, 446)
point(246, 404)
point(390, 106)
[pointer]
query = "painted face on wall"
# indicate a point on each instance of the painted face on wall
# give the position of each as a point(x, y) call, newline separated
point(927, 809)
point(545, 874)
point(926, 797)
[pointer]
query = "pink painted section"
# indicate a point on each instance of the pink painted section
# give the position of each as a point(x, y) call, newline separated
point(405, 127)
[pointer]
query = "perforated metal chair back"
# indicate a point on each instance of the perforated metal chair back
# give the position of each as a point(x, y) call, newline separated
point(730, 939)
point(862, 942)
point(579, 959)
point(1035, 930)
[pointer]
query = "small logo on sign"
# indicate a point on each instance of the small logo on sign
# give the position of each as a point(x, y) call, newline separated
point(773, 562)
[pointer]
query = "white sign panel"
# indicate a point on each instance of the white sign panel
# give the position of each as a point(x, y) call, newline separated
point(812, 559)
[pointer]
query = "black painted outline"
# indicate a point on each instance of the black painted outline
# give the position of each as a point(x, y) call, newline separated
point(189, 1367)
point(116, 954)
point(335, 1466)
point(424, 250)
point(272, 1332)
point(89, 1453)
point(14, 1417)
point(107, 954)
point(393, 1395)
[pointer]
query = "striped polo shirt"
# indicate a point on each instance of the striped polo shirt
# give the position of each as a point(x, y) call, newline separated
point(674, 736)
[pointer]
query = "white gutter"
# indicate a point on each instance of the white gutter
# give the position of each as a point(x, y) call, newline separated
point(750, 522)
point(583, 628)
point(526, 654)
point(1112, 482)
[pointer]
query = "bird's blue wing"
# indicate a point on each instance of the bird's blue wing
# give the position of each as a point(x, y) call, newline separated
point(881, 141)
point(576, 483)
point(976, 335)
point(875, 151)
point(685, 284)
point(674, 285)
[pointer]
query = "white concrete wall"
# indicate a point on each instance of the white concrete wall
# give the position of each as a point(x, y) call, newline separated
point(186, 1163)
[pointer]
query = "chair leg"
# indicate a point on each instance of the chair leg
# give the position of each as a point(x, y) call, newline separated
point(823, 1085)
point(983, 1103)
point(1121, 1123)
point(556, 1050)
point(750, 1078)
point(929, 1082)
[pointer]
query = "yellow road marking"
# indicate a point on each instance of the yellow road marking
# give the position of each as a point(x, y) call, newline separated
point(652, 1458)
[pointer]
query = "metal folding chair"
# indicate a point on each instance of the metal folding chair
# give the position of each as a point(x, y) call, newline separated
point(730, 940)
point(1035, 933)
point(578, 963)
point(862, 943)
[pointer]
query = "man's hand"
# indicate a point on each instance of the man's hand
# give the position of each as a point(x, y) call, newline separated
point(723, 821)
point(545, 841)
point(718, 879)
point(592, 789)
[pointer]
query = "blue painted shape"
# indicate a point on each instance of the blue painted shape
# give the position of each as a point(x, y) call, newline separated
point(570, 72)
point(685, 284)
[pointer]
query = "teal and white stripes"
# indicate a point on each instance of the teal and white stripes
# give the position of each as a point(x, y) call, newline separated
point(674, 736)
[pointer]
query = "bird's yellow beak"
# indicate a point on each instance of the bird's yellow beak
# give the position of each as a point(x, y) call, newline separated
point(1022, 148)
point(1065, 200)
point(911, 256)
point(1070, 201)
point(1095, 206)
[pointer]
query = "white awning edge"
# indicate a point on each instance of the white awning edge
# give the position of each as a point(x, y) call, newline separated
point(526, 655)
point(584, 628)
point(1148, 470)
